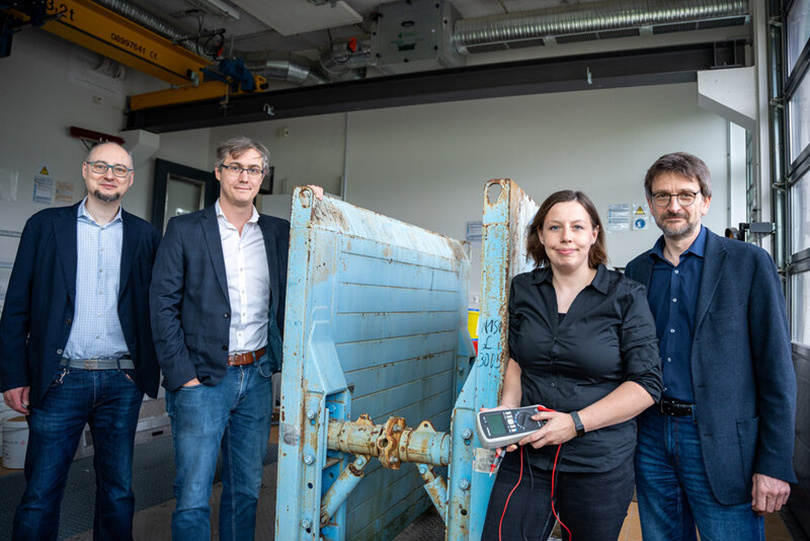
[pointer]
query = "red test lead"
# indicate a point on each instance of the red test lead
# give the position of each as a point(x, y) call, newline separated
point(496, 462)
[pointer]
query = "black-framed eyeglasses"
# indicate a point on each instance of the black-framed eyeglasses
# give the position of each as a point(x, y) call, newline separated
point(236, 170)
point(685, 199)
point(100, 168)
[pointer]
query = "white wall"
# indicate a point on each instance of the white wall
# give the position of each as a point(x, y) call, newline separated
point(428, 164)
point(424, 164)
point(44, 91)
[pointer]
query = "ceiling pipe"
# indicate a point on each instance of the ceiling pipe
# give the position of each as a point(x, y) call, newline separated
point(146, 19)
point(481, 32)
point(282, 67)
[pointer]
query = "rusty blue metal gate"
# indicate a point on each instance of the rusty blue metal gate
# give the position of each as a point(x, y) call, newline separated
point(375, 345)
point(375, 324)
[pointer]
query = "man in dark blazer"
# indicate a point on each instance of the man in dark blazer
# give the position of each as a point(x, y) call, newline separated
point(717, 451)
point(217, 304)
point(76, 345)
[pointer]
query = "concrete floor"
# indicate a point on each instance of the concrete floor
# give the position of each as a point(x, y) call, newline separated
point(152, 524)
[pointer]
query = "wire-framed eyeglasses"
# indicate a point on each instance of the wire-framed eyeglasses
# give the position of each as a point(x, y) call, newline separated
point(236, 170)
point(685, 199)
point(101, 167)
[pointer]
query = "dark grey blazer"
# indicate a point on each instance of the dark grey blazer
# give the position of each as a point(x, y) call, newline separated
point(742, 369)
point(189, 298)
point(41, 300)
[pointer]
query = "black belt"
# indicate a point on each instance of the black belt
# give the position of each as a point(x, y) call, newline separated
point(674, 408)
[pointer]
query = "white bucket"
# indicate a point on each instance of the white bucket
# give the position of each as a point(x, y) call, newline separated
point(15, 442)
point(5, 413)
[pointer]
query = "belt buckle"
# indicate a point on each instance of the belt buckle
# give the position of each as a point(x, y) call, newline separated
point(667, 408)
point(90, 364)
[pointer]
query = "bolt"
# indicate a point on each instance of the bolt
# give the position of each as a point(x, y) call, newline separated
point(309, 460)
point(361, 461)
point(466, 434)
point(464, 484)
point(311, 414)
point(422, 469)
point(394, 460)
point(397, 429)
point(305, 524)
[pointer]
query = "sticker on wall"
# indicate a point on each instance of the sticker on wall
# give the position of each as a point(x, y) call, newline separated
point(64, 192)
point(618, 217)
point(8, 185)
point(43, 189)
point(641, 217)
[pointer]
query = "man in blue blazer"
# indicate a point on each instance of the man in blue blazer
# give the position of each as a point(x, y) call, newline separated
point(76, 345)
point(717, 451)
point(217, 304)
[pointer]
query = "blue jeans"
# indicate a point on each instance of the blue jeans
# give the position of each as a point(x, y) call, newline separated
point(592, 505)
point(232, 417)
point(673, 490)
point(109, 401)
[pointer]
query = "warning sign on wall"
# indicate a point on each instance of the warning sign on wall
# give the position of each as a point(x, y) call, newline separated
point(640, 217)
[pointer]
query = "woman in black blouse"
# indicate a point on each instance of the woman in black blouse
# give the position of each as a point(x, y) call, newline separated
point(582, 342)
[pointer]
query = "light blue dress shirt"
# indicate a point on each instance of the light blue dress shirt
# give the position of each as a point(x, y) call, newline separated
point(96, 332)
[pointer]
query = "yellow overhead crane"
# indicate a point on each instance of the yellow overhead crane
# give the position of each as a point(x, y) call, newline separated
point(101, 30)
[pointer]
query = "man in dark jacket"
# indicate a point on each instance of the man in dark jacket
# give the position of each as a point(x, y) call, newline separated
point(217, 304)
point(76, 345)
point(717, 450)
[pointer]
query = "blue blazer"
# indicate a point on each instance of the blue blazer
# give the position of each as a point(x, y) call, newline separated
point(742, 368)
point(40, 301)
point(191, 309)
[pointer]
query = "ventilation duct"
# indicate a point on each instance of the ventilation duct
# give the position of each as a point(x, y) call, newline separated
point(593, 21)
point(144, 18)
point(282, 67)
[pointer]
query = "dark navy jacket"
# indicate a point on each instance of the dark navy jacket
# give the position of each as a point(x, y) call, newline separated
point(189, 299)
point(40, 301)
point(742, 369)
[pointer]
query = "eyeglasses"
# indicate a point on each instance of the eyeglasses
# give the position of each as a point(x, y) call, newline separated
point(236, 170)
point(100, 168)
point(685, 199)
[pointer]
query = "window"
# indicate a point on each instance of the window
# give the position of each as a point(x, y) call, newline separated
point(798, 31)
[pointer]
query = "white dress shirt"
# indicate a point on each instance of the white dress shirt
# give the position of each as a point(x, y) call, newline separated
point(248, 278)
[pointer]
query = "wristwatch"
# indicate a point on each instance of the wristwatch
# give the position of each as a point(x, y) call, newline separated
point(578, 424)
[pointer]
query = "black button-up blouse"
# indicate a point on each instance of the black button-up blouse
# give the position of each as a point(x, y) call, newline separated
point(606, 338)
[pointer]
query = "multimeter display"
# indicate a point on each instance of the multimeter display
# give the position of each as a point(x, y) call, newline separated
point(498, 428)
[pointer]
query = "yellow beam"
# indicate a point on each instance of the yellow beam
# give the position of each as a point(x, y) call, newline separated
point(96, 28)
point(184, 94)
point(173, 96)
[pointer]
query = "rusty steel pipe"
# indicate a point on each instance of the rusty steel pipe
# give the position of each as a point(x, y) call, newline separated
point(341, 488)
point(436, 487)
point(393, 443)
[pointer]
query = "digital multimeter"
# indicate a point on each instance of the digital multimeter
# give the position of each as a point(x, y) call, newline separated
point(502, 427)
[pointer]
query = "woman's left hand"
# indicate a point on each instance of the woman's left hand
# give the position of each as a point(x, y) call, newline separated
point(559, 428)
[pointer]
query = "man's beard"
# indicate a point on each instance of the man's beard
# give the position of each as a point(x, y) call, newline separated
point(106, 198)
point(680, 233)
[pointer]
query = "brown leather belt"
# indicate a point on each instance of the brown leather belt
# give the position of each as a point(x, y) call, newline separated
point(246, 358)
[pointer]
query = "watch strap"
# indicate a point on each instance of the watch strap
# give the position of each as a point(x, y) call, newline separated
point(578, 424)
